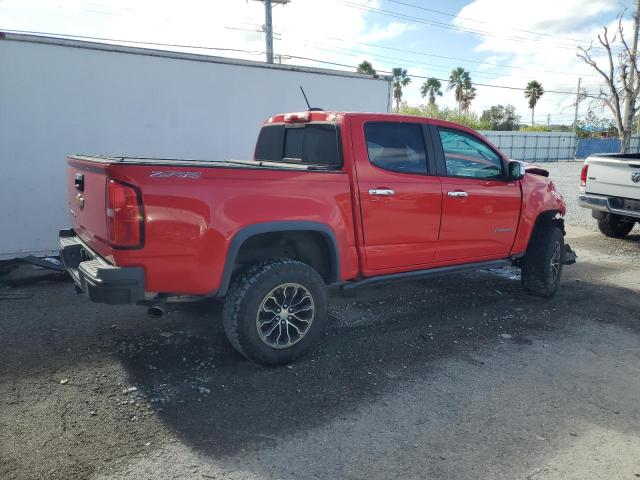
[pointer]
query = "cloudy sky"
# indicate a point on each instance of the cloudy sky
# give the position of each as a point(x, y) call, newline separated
point(501, 42)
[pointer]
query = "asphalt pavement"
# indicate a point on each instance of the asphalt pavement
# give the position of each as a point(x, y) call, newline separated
point(452, 378)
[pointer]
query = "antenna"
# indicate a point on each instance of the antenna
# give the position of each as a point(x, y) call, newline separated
point(309, 107)
point(305, 97)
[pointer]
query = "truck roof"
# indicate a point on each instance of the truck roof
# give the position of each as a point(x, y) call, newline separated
point(333, 116)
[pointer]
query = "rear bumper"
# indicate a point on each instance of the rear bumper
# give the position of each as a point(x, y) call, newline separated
point(615, 205)
point(98, 279)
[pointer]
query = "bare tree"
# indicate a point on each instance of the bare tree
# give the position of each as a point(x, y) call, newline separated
point(622, 77)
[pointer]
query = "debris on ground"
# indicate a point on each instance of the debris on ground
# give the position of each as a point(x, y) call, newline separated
point(50, 263)
point(15, 295)
point(29, 270)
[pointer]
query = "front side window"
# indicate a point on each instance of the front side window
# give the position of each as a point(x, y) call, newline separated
point(398, 147)
point(466, 156)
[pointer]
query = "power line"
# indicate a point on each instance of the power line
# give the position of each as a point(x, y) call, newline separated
point(176, 45)
point(404, 62)
point(422, 53)
point(119, 40)
point(441, 79)
point(419, 64)
point(453, 15)
point(427, 21)
point(252, 52)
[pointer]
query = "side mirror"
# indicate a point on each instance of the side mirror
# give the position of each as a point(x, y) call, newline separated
point(516, 170)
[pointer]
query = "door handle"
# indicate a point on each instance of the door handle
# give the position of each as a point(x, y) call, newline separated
point(382, 191)
point(458, 193)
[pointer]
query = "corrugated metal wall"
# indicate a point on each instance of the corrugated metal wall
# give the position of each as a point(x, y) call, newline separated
point(590, 146)
point(534, 146)
point(554, 146)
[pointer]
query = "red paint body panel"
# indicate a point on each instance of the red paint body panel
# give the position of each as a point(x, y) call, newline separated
point(539, 195)
point(481, 226)
point(190, 220)
point(189, 224)
point(89, 222)
point(408, 221)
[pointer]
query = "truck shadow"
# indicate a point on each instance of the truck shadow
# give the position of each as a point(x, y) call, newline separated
point(220, 404)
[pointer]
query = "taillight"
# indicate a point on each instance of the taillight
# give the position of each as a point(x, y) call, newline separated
point(124, 215)
point(583, 175)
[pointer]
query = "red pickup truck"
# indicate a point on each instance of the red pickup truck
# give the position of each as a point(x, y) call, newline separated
point(346, 199)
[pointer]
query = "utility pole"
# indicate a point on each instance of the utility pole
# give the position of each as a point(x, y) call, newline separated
point(548, 120)
point(575, 117)
point(268, 30)
point(268, 25)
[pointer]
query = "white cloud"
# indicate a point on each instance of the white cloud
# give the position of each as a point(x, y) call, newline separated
point(332, 31)
point(299, 26)
point(549, 58)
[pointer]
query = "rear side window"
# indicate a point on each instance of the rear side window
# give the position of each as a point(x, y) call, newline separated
point(310, 144)
point(398, 147)
point(466, 156)
point(270, 143)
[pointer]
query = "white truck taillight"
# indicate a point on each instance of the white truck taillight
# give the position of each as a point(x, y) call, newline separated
point(125, 225)
point(583, 174)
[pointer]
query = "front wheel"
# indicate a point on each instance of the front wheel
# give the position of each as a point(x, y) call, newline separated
point(542, 264)
point(275, 310)
point(615, 226)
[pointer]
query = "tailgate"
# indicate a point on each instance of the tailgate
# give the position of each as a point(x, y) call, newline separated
point(86, 188)
point(615, 178)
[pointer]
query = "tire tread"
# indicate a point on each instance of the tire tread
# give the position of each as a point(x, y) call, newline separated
point(240, 290)
point(535, 262)
point(613, 226)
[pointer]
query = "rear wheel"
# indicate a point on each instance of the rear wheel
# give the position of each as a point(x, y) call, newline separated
point(615, 226)
point(275, 310)
point(542, 264)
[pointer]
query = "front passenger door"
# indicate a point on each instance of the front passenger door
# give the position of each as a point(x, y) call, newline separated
point(480, 207)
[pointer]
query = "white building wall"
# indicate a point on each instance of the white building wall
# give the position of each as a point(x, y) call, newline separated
point(63, 97)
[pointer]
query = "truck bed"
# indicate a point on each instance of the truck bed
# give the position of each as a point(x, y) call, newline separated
point(613, 176)
point(192, 209)
point(197, 163)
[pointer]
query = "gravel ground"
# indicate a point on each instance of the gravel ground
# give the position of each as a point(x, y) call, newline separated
point(457, 377)
point(566, 176)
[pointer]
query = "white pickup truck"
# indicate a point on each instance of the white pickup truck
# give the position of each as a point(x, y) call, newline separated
point(610, 187)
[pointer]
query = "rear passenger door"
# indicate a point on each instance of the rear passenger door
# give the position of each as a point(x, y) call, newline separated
point(400, 195)
point(481, 206)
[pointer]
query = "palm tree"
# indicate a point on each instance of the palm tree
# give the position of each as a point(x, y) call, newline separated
point(400, 79)
point(432, 88)
point(533, 92)
point(468, 94)
point(366, 68)
point(465, 92)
